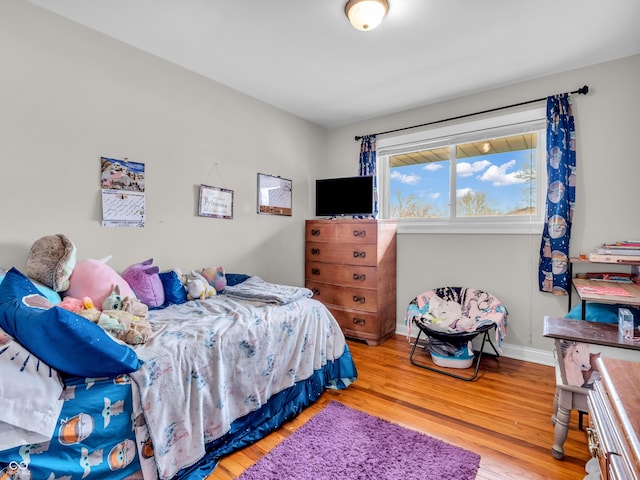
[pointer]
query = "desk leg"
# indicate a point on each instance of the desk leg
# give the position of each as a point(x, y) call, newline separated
point(584, 309)
point(562, 418)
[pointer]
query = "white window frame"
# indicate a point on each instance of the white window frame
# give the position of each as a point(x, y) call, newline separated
point(503, 125)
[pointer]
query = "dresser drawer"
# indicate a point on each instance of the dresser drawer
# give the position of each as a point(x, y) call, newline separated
point(355, 321)
point(348, 297)
point(352, 275)
point(340, 231)
point(348, 254)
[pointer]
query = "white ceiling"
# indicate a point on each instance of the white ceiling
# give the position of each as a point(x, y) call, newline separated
point(304, 57)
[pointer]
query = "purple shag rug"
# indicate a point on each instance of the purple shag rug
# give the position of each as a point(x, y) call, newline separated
point(345, 444)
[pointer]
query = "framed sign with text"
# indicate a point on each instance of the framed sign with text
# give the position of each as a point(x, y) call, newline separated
point(215, 202)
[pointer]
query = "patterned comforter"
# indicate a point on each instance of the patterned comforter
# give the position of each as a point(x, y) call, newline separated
point(213, 361)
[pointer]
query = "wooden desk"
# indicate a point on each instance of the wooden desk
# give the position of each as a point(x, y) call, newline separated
point(632, 288)
point(570, 397)
point(587, 332)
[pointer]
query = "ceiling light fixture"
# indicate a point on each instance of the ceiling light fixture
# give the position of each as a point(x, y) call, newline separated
point(366, 14)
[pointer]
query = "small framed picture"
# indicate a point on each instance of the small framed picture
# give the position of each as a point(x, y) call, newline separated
point(274, 195)
point(215, 202)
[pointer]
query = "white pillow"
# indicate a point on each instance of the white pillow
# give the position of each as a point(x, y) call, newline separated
point(31, 396)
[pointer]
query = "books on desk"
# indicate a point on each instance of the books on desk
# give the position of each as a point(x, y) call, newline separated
point(612, 258)
point(606, 276)
point(619, 248)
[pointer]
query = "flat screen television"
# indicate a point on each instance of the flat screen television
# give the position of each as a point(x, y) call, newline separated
point(352, 196)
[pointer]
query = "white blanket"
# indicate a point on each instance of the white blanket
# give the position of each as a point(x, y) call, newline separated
point(213, 361)
point(255, 288)
point(30, 391)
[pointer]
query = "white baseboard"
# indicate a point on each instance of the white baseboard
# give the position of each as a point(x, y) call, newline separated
point(526, 354)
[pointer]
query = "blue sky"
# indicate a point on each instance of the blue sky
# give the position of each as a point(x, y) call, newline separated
point(494, 174)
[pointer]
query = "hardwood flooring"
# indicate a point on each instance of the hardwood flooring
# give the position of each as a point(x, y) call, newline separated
point(504, 415)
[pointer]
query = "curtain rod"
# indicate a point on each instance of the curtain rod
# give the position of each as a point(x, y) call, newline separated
point(582, 91)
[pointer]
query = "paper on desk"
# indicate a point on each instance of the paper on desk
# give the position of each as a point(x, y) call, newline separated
point(609, 291)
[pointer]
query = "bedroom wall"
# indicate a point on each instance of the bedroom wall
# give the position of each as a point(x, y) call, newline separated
point(606, 205)
point(71, 95)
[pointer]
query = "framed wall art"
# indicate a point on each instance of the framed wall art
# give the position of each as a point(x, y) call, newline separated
point(274, 195)
point(215, 202)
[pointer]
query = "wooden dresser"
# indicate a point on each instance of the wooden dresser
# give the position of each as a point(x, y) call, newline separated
point(350, 266)
point(614, 417)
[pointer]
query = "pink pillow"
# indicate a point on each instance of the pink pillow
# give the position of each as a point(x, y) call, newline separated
point(144, 280)
point(95, 279)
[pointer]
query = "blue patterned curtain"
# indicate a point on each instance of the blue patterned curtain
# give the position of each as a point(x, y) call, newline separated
point(368, 165)
point(561, 194)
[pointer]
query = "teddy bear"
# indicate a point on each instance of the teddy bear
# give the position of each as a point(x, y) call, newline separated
point(115, 301)
point(85, 308)
point(135, 331)
point(196, 285)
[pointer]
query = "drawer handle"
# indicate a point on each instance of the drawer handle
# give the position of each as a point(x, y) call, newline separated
point(315, 271)
point(359, 276)
point(358, 299)
point(315, 251)
point(315, 232)
point(359, 233)
point(593, 442)
point(358, 321)
point(359, 254)
point(316, 291)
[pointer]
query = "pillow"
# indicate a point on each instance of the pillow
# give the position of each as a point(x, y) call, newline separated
point(30, 392)
point(51, 260)
point(235, 278)
point(596, 312)
point(65, 341)
point(144, 281)
point(95, 279)
point(48, 293)
point(174, 292)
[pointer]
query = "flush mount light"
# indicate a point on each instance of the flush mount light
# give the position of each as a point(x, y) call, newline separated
point(366, 14)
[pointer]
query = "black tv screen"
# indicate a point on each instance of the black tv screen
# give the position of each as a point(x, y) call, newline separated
point(344, 196)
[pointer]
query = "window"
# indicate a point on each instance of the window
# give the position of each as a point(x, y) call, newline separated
point(481, 176)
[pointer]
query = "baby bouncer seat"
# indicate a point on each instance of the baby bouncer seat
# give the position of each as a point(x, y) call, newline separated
point(450, 318)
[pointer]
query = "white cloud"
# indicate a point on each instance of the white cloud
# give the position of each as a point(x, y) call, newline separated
point(499, 177)
point(461, 192)
point(434, 195)
point(432, 166)
point(407, 179)
point(466, 169)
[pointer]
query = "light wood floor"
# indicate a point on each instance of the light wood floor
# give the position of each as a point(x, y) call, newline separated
point(504, 415)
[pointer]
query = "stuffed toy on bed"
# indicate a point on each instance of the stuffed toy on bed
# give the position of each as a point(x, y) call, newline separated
point(51, 261)
point(215, 277)
point(95, 279)
point(144, 280)
point(115, 301)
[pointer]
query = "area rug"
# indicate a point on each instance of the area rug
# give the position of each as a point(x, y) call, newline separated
point(345, 444)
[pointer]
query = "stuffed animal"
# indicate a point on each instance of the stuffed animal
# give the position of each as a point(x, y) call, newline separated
point(135, 306)
point(95, 279)
point(86, 309)
point(144, 280)
point(115, 301)
point(135, 331)
point(198, 287)
point(51, 261)
point(215, 277)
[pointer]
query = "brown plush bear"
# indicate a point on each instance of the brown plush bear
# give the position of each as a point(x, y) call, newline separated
point(136, 331)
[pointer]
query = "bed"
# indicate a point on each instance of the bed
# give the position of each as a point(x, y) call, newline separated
point(214, 376)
